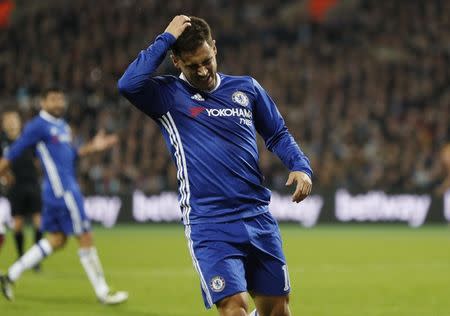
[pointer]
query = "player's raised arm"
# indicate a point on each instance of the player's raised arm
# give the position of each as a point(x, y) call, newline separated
point(137, 84)
point(271, 126)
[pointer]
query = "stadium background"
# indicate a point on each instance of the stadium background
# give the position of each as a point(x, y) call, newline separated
point(364, 86)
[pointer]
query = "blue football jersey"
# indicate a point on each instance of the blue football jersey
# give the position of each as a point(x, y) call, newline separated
point(53, 141)
point(212, 136)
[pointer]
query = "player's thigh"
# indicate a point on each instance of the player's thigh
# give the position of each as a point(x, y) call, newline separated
point(266, 267)
point(272, 305)
point(74, 205)
point(65, 215)
point(219, 262)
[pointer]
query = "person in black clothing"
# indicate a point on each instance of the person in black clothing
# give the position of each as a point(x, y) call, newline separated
point(23, 192)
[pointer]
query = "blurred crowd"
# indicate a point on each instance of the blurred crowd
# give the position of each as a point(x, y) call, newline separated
point(366, 92)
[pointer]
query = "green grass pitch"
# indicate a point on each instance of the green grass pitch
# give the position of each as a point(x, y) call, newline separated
point(342, 270)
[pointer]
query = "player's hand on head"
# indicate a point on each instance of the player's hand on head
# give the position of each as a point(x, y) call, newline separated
point(304, 185)
point(177, 26)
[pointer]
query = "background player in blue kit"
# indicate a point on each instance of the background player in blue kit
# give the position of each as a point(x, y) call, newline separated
point(209, 121)
point(63, 209)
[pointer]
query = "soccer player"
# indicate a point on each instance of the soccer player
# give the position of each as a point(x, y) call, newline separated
point(24, 193)
point(63, 209)
point(209, 121)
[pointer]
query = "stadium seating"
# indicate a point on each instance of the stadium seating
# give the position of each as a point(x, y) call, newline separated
point(365, 92)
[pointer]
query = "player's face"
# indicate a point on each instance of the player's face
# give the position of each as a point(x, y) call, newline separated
point(54, 103)
point(199, 67)
point(11, 124)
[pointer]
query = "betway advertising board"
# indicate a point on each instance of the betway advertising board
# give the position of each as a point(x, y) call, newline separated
point(333, 206)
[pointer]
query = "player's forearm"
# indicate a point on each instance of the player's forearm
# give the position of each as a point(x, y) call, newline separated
point(139, 72)
point(86, 150)
point(285, 147)
point(99, 143)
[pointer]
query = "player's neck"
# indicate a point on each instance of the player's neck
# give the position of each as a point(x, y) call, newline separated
point(49, 117)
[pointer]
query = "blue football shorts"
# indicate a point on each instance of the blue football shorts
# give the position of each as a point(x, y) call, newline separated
point(65, 215)
point(240, 256)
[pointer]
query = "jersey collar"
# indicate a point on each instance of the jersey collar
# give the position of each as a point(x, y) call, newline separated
point(50, 118)
point(218, 80)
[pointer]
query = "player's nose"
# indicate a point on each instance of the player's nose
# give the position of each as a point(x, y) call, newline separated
point(202, 71)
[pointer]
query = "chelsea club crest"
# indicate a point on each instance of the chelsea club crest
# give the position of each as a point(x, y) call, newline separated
point(217, 284)
point(240, 98)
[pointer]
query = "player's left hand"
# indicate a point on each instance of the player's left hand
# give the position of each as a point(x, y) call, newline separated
point(102, 141)
point(304, 185)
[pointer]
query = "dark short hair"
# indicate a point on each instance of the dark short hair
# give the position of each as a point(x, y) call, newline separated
point(51, 89)
point(193, 37)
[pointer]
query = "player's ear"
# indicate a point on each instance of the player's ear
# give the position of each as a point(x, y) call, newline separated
point(214, 47)
point(175, 60)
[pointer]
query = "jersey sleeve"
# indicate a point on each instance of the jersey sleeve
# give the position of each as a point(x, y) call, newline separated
point(271, 126)
point(147, 93)
point(31, 135)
